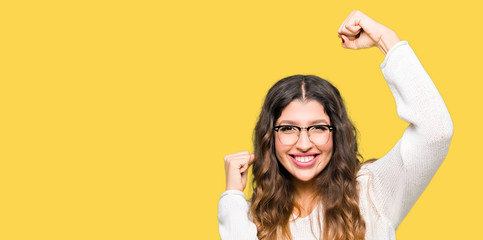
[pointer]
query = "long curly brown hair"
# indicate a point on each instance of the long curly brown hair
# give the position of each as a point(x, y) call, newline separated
point(272, 202)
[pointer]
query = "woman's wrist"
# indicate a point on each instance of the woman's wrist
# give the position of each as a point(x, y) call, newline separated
point(388, 39)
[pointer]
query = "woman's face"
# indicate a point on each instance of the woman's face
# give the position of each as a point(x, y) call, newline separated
point(303, 160)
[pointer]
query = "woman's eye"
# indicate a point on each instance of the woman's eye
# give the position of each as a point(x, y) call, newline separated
point(320, 128)
point(287, 128)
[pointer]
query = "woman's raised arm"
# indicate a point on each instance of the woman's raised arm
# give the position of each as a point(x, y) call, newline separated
point(396, 181)
point(233, 221)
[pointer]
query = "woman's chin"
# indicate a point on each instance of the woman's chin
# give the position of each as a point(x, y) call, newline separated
point(304, 177)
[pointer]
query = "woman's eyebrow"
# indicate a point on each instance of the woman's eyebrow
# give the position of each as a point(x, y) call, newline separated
point(318, 121)
point(288, 122)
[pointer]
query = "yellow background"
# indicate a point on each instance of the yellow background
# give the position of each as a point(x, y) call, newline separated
point(115, 116)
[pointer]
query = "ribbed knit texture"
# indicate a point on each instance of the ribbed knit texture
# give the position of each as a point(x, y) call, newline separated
point(390, 186)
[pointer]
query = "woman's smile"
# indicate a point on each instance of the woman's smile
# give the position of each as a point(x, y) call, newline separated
point(304, 159)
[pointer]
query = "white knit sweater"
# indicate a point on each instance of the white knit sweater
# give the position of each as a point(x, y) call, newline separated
point(390, 186)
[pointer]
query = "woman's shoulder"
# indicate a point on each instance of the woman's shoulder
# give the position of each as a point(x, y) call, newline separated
point(366, 166)
point(366, 172)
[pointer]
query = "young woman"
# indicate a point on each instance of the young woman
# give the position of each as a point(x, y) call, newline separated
point(308, 180)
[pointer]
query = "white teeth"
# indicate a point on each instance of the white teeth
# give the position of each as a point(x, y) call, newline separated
point(304, 159)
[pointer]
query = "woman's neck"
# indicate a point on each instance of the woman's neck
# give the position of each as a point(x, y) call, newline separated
point(305, 197)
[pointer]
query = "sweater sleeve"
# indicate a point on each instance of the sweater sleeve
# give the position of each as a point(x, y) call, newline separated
point(233, 221)
point(401, 176)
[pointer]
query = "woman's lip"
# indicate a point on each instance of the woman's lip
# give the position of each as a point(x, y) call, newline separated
point(304, 164)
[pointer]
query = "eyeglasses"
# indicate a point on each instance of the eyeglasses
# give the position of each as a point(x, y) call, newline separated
point(318, 134)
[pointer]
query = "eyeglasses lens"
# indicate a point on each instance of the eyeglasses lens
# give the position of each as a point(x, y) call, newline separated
point(290, 136)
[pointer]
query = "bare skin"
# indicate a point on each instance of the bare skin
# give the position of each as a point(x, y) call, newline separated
point(359, 31)
point(305, 197)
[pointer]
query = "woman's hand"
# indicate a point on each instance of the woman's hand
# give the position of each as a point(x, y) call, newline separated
point(236, 170)
point(360, 31)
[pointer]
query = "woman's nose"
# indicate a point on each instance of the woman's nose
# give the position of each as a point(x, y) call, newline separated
point(304, 143)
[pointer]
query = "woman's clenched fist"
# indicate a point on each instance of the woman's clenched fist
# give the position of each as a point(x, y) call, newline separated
point(236, 169)
point(360, 31)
